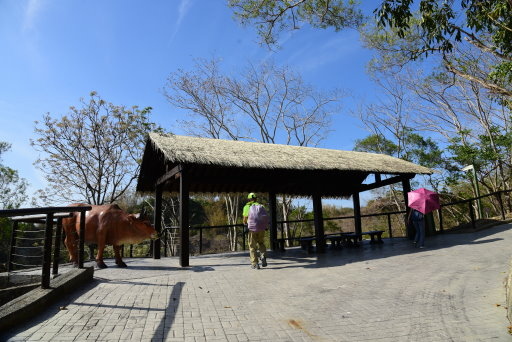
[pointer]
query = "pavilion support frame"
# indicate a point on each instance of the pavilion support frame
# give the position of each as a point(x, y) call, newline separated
point(319, 223)
point(406, 185)
point(158, 220)
point(272, 202)
point(179, 172)
point(184, 219)
point(357, 213)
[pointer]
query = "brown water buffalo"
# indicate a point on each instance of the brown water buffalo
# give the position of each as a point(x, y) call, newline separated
point(106, 225)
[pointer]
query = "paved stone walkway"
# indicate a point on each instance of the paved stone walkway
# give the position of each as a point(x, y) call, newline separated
point(453, 290)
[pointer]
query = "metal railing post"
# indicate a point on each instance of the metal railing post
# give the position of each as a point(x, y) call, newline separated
point(47, 254)
point(13, 245)
point(56, 250)
point(81, 240)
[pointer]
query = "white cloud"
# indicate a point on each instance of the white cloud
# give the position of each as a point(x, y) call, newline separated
point(182, 12)
point(312, 56)
point(32, 11)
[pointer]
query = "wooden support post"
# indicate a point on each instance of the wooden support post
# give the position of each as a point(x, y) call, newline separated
point(406, 186)
point(157, 220)
point(13, 245)
point(56, 250)
point(357, 213)
point(81, 240)
point(184, 219)
point(319, 224)
point(472, 215)
point(243, 238)
point(200, 240)
point(502, 208)
point(273, 220)
point(440, 212)
point(47, 252)
point(389, 227)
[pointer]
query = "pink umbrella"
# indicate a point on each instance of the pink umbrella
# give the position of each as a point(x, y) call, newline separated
point(423, 200)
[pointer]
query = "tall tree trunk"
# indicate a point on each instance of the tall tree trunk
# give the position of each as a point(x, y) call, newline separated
point(285, 207)
point(232, 202)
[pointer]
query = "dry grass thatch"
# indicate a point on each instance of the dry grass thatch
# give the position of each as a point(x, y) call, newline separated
point(240, 154)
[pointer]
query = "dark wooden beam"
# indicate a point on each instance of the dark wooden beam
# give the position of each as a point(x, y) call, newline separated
point(47, 252)
point(81, 240)
point(319, 223)
point(406, 187)
point(169, 174)
point(158, 220)
point(273, 220)
point(388, 181)
point(357, 213)
point(377, 177)
point(56, 248)
point(184, 219)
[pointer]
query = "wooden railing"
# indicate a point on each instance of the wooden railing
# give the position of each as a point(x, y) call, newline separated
point(50, 216)
point(241, 232)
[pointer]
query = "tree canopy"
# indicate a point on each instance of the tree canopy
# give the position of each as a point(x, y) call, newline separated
point(12, 186)
point(444, 27)
point(272, 17)
point(93, 153)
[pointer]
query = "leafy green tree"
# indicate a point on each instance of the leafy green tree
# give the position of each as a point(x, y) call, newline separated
point(416, 148)
point(13, 190)
point(272, 17)
point(92, 154)
point(444, 27)
point(12, 187)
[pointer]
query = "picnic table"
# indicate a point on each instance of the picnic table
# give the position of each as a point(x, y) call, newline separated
point(348, 239)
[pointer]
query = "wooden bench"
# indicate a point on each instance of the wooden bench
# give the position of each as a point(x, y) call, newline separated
point(305, 242)
point(338, 239)
point(375, 236)
point(353, 239)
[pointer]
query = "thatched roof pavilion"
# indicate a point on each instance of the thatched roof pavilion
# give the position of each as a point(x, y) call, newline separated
point(184, 164)
point(237, 166)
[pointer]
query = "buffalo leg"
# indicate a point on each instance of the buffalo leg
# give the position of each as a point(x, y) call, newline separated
point(119, 261)
point(99, 256)
point(71, 245)
point(91, 251)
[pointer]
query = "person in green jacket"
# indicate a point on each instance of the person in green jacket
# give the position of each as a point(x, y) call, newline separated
point(256, 239)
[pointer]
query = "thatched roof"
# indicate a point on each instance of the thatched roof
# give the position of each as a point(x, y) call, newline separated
point(249, 166)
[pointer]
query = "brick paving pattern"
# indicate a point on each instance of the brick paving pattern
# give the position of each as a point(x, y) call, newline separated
point(453, 290)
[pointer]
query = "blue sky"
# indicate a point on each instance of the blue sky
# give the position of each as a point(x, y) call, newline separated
point(56, 51)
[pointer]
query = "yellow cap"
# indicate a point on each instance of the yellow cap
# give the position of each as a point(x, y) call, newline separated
point(251, 195)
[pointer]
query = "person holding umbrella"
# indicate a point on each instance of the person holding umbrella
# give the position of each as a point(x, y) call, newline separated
point(419, 225)
point(421, 202)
